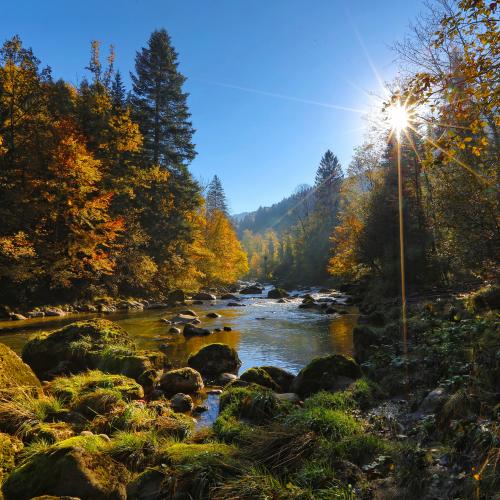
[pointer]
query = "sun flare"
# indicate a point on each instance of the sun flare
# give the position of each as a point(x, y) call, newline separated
point(399, 117)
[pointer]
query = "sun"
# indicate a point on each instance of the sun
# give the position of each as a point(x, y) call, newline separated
point(399, 117)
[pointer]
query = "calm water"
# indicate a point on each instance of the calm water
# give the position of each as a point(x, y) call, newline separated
point(264, 332)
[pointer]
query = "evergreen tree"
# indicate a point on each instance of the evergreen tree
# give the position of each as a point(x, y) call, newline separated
point(216, 198)
point(328, 181)
point(160, 104)
point(118, 92)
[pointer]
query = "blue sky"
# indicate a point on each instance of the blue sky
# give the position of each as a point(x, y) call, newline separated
point(259, 72)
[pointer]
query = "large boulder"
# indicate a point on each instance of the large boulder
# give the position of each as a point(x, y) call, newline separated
point(329, 373)
point(277, 293)
point(69, 468)
point(186, 380)
point(281, 377)
point(204, 296)
point(14, 374)
point(214, 359)
point(95, 343)
point(181, 403)
point(261, 377)
point(252, 290)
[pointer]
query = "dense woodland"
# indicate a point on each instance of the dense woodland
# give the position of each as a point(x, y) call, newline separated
point(95, 192)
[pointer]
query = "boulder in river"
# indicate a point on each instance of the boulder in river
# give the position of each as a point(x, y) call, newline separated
point(331, 373)
point(235, 304)
point(213, 359)
point(75, 465)
point(17, 317)
point(54, 311)
point(14, 374)
point(204, 296)
point(182, 319)
point(174, 329)
point(280, 376)
point(261, 377)
point(213, 315)
point(83, 345)
point(229, 296)
point(181, 402)
point(194, 331)
point(252, 290)
point(189, 312)
point(277, 293)
point(185, 380)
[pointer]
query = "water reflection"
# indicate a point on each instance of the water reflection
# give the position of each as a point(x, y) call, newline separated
point(264, 332)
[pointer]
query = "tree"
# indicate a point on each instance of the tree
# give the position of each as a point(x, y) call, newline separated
point(216, 198)
point(160, 105)
point(328, 182)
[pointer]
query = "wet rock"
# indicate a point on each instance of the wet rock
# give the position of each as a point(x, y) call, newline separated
point(68, 469)
point(174, 329)
point(235, 304)
point(213, 315)
point(227, 329)
point(216, 358)
point(229, 296)
point(181, 402)
point(14, 374)
point(217, 330)
point(309, 305)
point(158, 305)
point(35, 314)
point(261, 377)
point(17, 317)
point(200, 409)
point(332, 373)
point(181, 319)
point(331, 310)
point(184, 380)
point(54, 311)
point(204, 296)
point(226, 378)
point(252, 290)
point(277, 293)
point(194, 331)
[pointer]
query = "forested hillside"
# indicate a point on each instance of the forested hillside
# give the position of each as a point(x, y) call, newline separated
point(95, 193)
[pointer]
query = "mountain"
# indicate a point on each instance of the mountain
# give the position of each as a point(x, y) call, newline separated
point(280, 216)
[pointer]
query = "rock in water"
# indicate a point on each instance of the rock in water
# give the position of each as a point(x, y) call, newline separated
point(216, 358)
point(277, 293)
point(204, 296)
point(213, 315)
point(185, 380)
point(96, 343)
point(68, 468)
point(261, 377)
point(14, 374)
point(252, 290)
point(193, 331)
point(329, 373)
point(181, 403)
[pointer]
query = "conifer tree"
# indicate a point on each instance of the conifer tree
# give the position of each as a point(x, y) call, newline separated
point(328, 181)
point(216, 198)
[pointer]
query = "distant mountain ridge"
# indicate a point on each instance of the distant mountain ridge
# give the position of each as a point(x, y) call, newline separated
point(280, 216)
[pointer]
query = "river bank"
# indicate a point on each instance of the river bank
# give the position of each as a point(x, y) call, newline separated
point(386, 425)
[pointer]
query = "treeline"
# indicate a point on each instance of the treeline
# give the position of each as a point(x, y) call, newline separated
point(449, 166)
point(95, 192)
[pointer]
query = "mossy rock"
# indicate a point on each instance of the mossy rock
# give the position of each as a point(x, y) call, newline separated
point(76, 466)
point(152, 484)
point(332, 373)
point(9, 448)
point(214, 359)
point(282, 378)
point(176, 425)
point(14, 374)
point(51, 432)
point(277, 293)
point(260, 377)
point(70, 389)
point(186, 380)
point(184, 453)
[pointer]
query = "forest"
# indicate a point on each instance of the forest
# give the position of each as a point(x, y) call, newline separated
point(342, 343)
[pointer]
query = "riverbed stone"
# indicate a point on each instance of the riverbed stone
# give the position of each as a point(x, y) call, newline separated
point(216, 358)
point(54, 311)
point(204, 296)
point(277, 293)
point(229, 296)
point(226, 378)
point(174, 329)
point(181, 402)
point(252, 290)
point(68, 468)
point(182, 319)
point(194, 331)
point(185, 380)
point(213, 315)
point(235, 304)
point(329, 373)
point(189, 312)
point(14, 374)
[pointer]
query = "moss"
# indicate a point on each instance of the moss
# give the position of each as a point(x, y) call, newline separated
point(9, 449)
point(185, 380)
point(74, 465)
point(283, 378)
point(184, 453)
point(260, 377)
point(50, 432)
point(328, 372)
point(98, 402)
point(229, 429)
point(361, 449)
point(70, 389)
point(216, 358)
point(14, 374)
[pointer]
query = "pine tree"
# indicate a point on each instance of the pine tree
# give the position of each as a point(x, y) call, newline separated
point(160, 104)
point(118, 92)
point(216, 198)
point(328, 181)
